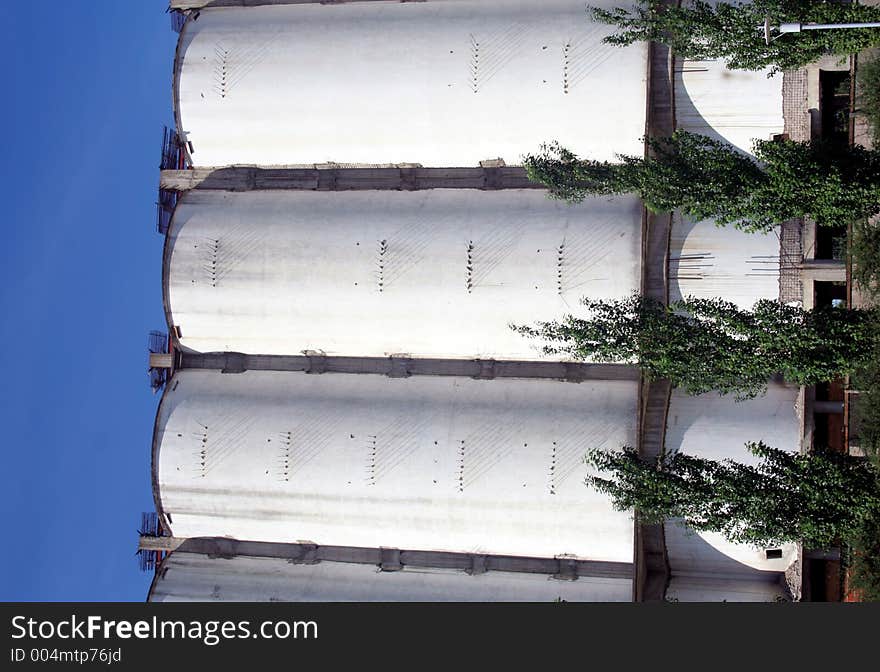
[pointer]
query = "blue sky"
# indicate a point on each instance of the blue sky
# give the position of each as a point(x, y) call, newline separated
point(87, 91)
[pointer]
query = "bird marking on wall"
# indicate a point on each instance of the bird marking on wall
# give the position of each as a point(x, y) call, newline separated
point(485, 448)
point(201, 450)
point(221, 70)
point(581, 251)
point(298, 447)
point(372, 449)
point(234, 59)
point(474, 65)
point(489, 54)
point(392, 445)
point(285, 442)
point(403, 251)
point(208, 251)
point(381, 252)
point(223, 254)
point(469, 267)
point(489, 251)
point(568, 450)
point(237, 247)
point(584, 54)
point(223, 436)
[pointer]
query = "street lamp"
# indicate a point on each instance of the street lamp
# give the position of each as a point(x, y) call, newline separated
point(798, 27)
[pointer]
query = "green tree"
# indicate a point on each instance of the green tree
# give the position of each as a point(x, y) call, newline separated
point(702, 345)
point(817, 498)
point(734, 31)
point(868, 93)
point(707, 178)
point(864, 253)
point(863, 560)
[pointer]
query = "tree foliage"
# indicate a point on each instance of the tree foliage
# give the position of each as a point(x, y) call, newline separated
point(863, 560)
point(817, 498)
point(865, 255)
point(868, 93)
point(865, 407)
point(707, 178)
point(734, 31)
point(702, 345)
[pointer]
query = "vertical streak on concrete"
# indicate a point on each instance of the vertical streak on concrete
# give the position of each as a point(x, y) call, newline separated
point(652, 566)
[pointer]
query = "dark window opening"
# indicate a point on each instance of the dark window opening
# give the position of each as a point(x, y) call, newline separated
point(829, 293)
point(828, 432)
point(832, 390)
point(818, 587)
point(831, 242)
point(820, 431)
point(834, 88)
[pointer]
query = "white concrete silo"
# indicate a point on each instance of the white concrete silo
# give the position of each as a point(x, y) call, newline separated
point(704, 566)
point(707, 261)
point(429, 273)
point(447, 83)
point(734, 106)
point(367, 461)
point(442, 464)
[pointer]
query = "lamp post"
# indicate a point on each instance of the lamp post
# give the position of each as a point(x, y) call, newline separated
point(795, 27)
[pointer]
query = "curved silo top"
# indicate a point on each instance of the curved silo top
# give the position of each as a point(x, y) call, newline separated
point(715, 427)
point(735, 106)
point(710, 261)
point(435, 83)
point(423, 463)
point(433, 273)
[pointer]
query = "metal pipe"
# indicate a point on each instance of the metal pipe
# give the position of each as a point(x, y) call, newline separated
point(798, 27)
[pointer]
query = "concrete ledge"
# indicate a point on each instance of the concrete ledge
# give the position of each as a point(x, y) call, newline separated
point(827, 270)
point(314, 178)
point(402, 366)
point(202, 4)
point(390, 559)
